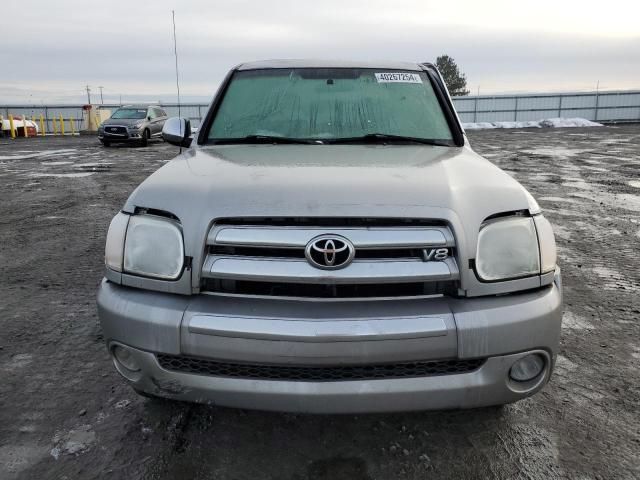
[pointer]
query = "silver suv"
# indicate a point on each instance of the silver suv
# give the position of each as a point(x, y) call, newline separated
point(132, 123)
point(331, 243)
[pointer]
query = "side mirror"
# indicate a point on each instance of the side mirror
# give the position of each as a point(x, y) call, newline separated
point(177, 131)
point(149, 118)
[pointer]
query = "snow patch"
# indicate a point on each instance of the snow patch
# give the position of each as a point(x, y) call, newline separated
point(73, 442)
point(546, 123)
point(571, 321)
point(18, 361)
point(122, 404)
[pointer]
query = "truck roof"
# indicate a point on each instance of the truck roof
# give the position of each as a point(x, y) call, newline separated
point(292, 63)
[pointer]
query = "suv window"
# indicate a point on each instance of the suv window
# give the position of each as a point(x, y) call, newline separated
point(152, 113)
point(159, 112)
point(130, 113)
point(329, 104)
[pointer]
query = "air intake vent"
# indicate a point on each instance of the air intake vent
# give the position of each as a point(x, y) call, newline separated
point(184, 364)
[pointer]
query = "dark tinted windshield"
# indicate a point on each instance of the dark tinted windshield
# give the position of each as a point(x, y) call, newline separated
point(130, 113)
point(329, 104)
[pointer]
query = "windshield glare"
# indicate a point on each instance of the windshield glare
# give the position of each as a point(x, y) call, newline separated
point(329, 104)
point(130, 113)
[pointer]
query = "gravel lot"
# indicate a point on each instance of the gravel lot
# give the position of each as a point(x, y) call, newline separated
point(65, 413)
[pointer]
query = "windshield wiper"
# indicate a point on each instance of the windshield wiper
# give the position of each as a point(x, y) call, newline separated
point(266, 139)
point(386, 138)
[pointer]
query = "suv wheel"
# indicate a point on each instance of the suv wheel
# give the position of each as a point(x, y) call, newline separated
point(106, 143)
point(146, 135)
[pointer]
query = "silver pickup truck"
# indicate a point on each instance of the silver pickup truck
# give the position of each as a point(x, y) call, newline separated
point(331, 243)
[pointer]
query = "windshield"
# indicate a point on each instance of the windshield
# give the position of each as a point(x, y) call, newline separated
point(330, 105)
point(130, 113)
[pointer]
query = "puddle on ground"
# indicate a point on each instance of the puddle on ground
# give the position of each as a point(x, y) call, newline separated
point(54, 164)
point(46, 153)
point(62, 175)
point(565, 364)
point(93, 167)
point(561, 232)
point(581, 185)
point(614, 141)
point(555, 152)
point(16, 458)
point(18, 361)
point(616, 200)
point(614, 280)
point(558, 199)
point(635, 183)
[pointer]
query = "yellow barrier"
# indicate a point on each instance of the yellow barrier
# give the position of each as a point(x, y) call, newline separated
point(55, 125)
point(25, 131)
point(73, 130)
point(61, 125)
point(12, 127)
point(41, 125)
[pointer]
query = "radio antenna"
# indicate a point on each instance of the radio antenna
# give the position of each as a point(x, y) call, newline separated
point(175, 52)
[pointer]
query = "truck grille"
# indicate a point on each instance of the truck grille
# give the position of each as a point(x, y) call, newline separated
point(185, 364)
point(267, 257)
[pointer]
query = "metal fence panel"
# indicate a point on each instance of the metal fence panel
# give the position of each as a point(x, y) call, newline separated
point(623, 106)
point(621, 114)
point(539, 103)
point(619, 100)
point(578, 101)
point(599, 106)
point(494, 104)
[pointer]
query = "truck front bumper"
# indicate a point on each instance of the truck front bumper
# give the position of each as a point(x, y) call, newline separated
point(497, 330)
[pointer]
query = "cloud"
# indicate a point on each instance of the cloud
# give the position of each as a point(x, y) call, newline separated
point(52, 50)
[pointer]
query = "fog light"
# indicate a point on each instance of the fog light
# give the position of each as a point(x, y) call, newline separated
point(123, 357)
point(527, 368)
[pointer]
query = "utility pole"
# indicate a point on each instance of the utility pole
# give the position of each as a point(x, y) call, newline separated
point(88, 94)
point(101, 99)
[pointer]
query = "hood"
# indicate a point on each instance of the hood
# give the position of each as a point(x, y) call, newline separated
point(394, 181)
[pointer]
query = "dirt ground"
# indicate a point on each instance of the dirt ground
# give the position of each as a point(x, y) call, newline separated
point(65, 413)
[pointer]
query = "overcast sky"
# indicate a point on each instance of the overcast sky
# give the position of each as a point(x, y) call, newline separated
point(50, 49)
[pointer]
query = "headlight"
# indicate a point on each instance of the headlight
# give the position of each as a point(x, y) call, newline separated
point(114, 250)
point(145, 245)
point(507, 249)
point(153, 247)
point(547, 242)
point(136, 126)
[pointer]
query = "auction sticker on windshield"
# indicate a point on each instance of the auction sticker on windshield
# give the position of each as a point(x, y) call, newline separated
point(399, 77)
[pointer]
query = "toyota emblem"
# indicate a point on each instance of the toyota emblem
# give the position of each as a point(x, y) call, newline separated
point(330, 252)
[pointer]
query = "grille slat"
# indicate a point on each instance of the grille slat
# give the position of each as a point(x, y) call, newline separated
point(200, 366)
point(268, 256)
